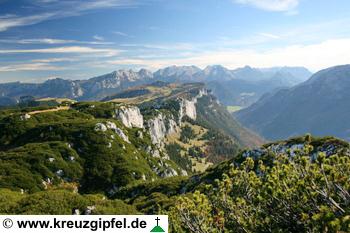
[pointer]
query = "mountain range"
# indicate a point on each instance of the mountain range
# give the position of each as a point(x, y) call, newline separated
point(172, 148)
point(320, 106)
point(233, 87)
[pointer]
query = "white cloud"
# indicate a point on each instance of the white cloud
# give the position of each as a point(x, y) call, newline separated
point(52, 41)
point(28, 67)
point(45, 41)
point(59, 9)
point(7, 16)
point(69, 49)
point(174, 46)
point(53, 60)
point(120, 33)
point(272, 5)
point(315, 57)
point(99, 38)
point(16, 21)
point(99, 4)
point(269, 35)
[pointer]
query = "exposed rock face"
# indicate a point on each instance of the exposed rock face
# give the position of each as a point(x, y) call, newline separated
point(59, 173)
point(46, 183)
point(113, 126)
point(172, 126)
point(164, 170)
point(122, 135)
point(100, 127)
point(130, 116)
point(160, 127)
point(169, 172)
point(25, 117)
point(157, 129)
point(184, 173)
point(188, 107)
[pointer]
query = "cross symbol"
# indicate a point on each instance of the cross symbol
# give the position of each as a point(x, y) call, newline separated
point(157, 219)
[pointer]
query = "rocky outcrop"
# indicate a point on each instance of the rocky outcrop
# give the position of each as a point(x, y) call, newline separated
point(121, 134)
point(164, 170)
point(188, 107)
point(172, 126)
point(157, 129)
point(163, 125)
point(130, 116)
point(160, 127)
point(25, 117)
point(168, 172)
point(100, 127)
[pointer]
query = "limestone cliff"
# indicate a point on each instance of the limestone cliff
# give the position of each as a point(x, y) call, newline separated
point(188, 107)
point(130, 116)
point(160, 127)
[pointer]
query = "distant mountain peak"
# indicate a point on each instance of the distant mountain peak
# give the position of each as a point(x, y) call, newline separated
point(247, 67)
point(217, 72)
point(215, 67)
point(108, 84)
point(332, 73)
point(177, 72)
point(144, 73)
point(319, 106)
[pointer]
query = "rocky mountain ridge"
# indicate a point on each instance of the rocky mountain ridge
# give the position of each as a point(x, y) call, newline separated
point(100, 87)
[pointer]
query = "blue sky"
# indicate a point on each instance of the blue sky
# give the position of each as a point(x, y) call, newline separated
point(78, 39)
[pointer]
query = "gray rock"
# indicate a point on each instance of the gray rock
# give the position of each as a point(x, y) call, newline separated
point(100, 127)
point(122, 135)
point(25, 117)
point(130, 116)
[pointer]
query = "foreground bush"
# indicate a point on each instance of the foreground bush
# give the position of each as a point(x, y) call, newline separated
point(288, 195)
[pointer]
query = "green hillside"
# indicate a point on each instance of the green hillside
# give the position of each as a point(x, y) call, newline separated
point(180, 154)
point(298, 185)
point(87, 145)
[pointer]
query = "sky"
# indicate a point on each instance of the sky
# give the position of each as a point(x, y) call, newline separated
point(80, 39)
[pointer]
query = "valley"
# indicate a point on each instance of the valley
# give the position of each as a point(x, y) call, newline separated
point(319, 106)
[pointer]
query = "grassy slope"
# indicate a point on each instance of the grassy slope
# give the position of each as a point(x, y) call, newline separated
point(233, 109)
point(216, 116)
point(106, 162)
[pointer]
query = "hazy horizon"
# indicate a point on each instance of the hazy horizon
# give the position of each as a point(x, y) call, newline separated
point(134, 69)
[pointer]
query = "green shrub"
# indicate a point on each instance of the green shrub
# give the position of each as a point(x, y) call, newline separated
point(187, 134)
point(174, 152)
